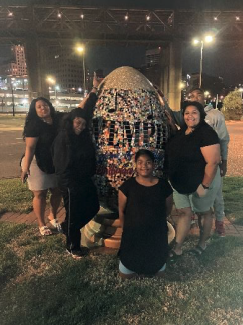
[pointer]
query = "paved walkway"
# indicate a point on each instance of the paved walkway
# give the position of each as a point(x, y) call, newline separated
point(30, 219)
point(235, 154)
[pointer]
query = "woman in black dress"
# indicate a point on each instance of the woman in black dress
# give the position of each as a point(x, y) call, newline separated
point(75, 164)
point(145, 202)
point(39, 133)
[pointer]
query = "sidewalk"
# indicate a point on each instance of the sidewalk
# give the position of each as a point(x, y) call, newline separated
point(30, 219)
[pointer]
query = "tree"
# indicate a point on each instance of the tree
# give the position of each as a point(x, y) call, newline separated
point(232, 106)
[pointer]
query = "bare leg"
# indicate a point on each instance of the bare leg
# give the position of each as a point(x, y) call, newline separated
point(182, 228)
point(206, 227)
point(55, 201)
point(39, 206)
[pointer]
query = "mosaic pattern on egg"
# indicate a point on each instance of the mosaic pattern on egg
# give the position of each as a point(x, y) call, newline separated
point(128, 117)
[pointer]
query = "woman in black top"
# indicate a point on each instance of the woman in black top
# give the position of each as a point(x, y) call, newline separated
point(193, 158)
point(144, 203)
point(39, 132)
point(75, 164)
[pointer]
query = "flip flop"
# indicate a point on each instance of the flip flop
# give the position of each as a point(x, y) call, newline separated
point(198, 250)
point(45, 231)
point(173, 256)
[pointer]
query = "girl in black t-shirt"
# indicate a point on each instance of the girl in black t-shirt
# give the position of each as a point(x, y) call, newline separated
point(144, 203)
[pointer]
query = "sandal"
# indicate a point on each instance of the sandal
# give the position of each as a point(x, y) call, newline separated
point(45, 231)
point(198, 250)
point(173, 256)
point(56, 225)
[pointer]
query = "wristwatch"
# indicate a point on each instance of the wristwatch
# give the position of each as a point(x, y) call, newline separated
point(205, 187)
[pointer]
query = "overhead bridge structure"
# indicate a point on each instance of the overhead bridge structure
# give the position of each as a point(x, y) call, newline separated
point(41, 25)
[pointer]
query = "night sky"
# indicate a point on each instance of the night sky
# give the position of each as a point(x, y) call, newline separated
point(218, 60)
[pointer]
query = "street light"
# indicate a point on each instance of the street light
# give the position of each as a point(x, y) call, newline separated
point(80, 50)
point(52, 81)
point(196, 41)
point(181, 85)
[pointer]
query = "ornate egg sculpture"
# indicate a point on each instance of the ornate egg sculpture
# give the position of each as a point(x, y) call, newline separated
point(128, 117)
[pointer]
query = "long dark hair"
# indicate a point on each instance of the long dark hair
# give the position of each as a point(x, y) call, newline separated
point(67, 124)
point(32, 115)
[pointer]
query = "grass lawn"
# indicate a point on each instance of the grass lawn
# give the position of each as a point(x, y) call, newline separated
point(233, 194)
point(41, 285)
point(14, 196)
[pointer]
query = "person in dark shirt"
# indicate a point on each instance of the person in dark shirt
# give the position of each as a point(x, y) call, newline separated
point(144, 203)
point(193, 156)
point(74, 159)
point(39, 132)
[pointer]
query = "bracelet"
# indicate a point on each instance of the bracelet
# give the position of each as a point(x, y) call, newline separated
point(94, 88)
point(205, 187)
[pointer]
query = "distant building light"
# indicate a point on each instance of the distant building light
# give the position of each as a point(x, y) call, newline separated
point(126, 17)
point(10, 14)
point(147, 17)
point(215, 18)
point(59, 15)
point(237, 18)
point(82, 16)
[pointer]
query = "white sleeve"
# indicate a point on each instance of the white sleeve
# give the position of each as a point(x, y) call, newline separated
point(221, 129)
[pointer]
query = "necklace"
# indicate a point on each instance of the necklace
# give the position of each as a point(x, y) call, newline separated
point(48, 121)
point(188, 131)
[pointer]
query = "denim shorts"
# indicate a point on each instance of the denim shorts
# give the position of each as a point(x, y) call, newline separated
point(198, 204)
point(126, 271)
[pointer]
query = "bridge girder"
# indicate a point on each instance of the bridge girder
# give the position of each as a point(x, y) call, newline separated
point(100, 24)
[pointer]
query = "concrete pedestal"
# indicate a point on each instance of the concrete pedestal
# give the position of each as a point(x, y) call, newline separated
point(105, 230)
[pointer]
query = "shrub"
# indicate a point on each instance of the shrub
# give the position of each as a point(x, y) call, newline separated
point(232, 107)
